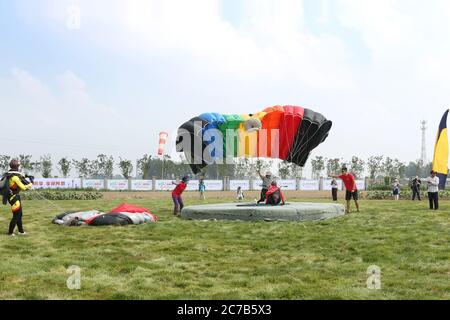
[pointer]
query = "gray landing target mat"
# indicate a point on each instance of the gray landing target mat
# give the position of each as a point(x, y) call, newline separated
point(293, 211)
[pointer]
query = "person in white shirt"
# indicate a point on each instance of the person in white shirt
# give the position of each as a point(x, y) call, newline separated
point(396, 190)
point(334, 189)
point(433, 191)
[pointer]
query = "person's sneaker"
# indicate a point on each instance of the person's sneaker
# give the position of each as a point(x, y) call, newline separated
point(22, 233)
point(11, 235)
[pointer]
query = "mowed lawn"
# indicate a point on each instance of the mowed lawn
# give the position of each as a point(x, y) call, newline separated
point(176, 259)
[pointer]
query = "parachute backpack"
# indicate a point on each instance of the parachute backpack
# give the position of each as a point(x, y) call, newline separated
point(4, 188)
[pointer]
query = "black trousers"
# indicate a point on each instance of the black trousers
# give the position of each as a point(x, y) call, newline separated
point(434, 200)
point(263, 195)
point(334, 193)
point(17, 215)
point(416, 192)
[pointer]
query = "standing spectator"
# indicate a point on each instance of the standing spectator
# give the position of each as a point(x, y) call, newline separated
point(334, 189)
point(433, 190)
point(240, 194)
point(350, 187)
point(202, 188)
point(176, 195)
point(396, 190)
point(415, 187)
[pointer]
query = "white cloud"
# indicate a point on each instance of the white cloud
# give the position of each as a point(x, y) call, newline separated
point(270, 56)
point(62, 119)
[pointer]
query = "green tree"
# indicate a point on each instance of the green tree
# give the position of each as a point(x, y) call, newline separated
point(387, 167)
point(126, 167)
point(64, 166)
point(46, 166)
point(143, 166)
point(318, 165)
point(102, 167)
point(260, 165)
point(26, 163)
point(333, 166)
point(399, 169)
point(83, 167)
point(357, 167)
point(242, 168)
point(296, 171)
point(374, 165)
point(284, 169)
point(4, 162)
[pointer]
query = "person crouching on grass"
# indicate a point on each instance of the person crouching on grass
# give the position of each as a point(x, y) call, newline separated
point(351, 188)
point(16, 183)
point(274, 196)
point(176, 195)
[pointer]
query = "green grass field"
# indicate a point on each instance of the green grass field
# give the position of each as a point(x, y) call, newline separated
point(177, 259)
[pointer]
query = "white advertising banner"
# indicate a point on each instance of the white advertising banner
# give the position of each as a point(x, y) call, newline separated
point(142, 185)
point(287, 184)
point(327, 184)
point(361, 184)
point(235, 184)
point(257, 184)
point(309, 185)
point(117, 185)
point(94, 184)
point(211, 185)
point(214, 185)
point(193, 185)
point(164, 185)
point(57, 183)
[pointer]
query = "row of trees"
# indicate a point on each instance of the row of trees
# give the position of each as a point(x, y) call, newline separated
point(374, 167)
point(101, 167)
point(148, 166)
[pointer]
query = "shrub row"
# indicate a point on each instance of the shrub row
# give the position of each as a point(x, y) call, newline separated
point(61, 195)
point(386, 195)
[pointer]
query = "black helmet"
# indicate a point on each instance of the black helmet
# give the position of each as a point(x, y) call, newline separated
point(14, 165)
point(185, 179)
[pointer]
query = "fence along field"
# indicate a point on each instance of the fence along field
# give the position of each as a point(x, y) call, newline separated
point(167, 185)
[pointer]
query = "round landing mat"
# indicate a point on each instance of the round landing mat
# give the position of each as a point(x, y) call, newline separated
point(293, 211)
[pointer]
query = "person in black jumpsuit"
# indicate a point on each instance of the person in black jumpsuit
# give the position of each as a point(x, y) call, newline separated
point(16, 183)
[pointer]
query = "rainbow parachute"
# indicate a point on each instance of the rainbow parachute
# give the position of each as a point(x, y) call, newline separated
point(284, 132)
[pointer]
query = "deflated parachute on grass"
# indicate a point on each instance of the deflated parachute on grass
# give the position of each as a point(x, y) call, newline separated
point(288, 133)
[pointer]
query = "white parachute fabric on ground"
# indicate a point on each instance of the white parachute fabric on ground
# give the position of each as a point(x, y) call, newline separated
point(82, 217)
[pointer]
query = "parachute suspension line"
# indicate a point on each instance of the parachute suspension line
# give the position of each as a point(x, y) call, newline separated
point(34, 192)
point(299, 144)
point(307, 141)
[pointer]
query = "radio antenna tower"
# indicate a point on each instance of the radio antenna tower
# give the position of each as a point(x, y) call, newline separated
point(423, 127)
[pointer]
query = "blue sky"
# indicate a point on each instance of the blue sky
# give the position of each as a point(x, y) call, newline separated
point(134, 68)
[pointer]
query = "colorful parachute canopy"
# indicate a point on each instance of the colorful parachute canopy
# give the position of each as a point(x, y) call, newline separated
point(125, 214)
point(440, 161)
point(284, 132)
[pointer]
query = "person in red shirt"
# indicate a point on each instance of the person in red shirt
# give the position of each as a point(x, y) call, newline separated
point(177, 193)
point(350, 187)
point(274, 196)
